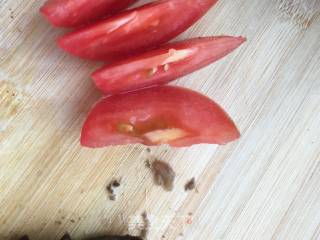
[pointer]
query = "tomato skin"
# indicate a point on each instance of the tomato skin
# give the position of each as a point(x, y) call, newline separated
point(74, 13)
point(132, 73)
point(135, 30)
point(155, 109)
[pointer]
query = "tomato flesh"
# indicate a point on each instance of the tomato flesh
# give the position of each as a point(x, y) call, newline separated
point(135, 30)
point(154, 116)
point(74, 13)
point(163, 65)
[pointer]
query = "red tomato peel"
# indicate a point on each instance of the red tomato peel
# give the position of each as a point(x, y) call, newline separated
point(135, 30)
point(163, 65)
point(154, 116)
point(74, 13)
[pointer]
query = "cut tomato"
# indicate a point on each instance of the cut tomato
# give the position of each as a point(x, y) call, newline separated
point(135, 30)
point(163, 65)
point(74, 13)
point(160, 115)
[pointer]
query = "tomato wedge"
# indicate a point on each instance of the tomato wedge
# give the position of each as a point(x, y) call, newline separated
point(135, 30)
point(74, 13)
point(163, 65)
point(154, 116)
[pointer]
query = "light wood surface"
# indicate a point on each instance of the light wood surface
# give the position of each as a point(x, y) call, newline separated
point(264, 186)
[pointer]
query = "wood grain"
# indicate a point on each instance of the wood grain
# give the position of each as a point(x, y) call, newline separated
point(265, 186)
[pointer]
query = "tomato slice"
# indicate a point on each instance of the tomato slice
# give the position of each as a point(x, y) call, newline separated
point(163, 65)
point(74, 13)
point(135, 30)
point(154, 116)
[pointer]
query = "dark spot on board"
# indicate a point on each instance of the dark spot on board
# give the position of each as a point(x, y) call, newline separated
point(115, 183)
point(25, 237)
point(66, 237)
point(190, 185)
point(147, 164)
point(163, 174)
point(111, 189)
point(58, 222)
point(146, 225)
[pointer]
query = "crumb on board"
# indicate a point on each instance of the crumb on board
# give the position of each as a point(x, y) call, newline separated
point(115, 184)
point(163, 174)
point(147, 164)
point(112, 197)
point(25, 237)
point(66, 237)
point(72, 221)
point(146, 223)
point(190, 185)
point(57, 222)
point(111, 189)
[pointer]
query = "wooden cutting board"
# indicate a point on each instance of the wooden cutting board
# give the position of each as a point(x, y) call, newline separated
point(264, 186)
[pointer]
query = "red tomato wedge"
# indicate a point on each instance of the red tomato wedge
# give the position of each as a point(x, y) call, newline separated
point(154, 116)
point(74, 13)
point(135, 30)
point(163, 65)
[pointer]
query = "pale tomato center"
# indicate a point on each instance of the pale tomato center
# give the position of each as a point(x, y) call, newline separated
point(177, 55)
point(154, 131)
point(164, 60)
point(165, 135)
